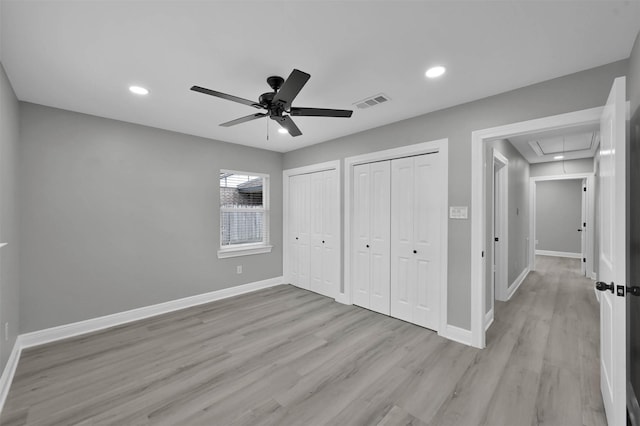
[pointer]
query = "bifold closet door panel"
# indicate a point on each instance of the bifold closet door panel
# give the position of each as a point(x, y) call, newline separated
point(427, 234)
point(380, 251)
point(403, 265)
point(300, 236)
point(370, 248)
point(361, 266)
point(331, 239)
point(324, 266)
point(316, 204)
point(415, 239)
point(292, 230)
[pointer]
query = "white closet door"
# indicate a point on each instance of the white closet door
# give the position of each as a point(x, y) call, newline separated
point(415, 240)
point(302, 229)
point(316, 221)
point(361, 264)
point(380, 216)
point(330, 239)
point(403, 264)
point(427, 234)
point(292, 231)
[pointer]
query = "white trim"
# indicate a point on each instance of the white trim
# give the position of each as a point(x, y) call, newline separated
point(66, 331)
point(235, 251)
point(286, 174)
point(593, 276)
point(3, 244)
point(9, 371)
point(457, 334)
point(513, 287)
point(439, 145)
point(558, 254)
point(488, 319)
point(478, 137)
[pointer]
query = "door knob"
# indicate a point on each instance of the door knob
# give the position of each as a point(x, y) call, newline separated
point(415, 252)
point(322, 241)
point(602, 286)
point(296, 238)
point(367, 245)
point(635, 290)
point(579, 230)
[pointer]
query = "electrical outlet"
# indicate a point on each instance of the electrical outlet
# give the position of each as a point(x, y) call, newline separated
point(6, 331)
point(239, 269)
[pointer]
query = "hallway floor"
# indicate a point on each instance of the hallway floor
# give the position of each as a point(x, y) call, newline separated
point(286, 356)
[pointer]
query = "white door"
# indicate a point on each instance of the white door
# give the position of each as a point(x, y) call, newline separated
point(300, 227)
point(316, 221)
point(330, 240)
point(612, 262)
point(415, 240)
point(324, 266)
point(583, 229)
point(371, 245)
point(361, 279)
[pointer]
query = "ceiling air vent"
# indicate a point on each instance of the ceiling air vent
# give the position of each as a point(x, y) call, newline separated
point(372, 101)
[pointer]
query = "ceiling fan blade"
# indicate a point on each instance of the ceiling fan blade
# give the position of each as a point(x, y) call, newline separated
point(286, 122)
point(320, 112)
point(291, 87)
point(225, 96)
point(243, 119)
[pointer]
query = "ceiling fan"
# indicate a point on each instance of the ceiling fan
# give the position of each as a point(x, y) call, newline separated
point(278, 102)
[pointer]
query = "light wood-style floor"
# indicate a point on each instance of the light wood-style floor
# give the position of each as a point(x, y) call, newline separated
point(285, 356)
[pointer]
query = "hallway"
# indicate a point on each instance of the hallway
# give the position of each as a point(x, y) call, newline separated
point(553, 373)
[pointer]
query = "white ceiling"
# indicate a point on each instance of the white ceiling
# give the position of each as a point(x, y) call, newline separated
point(572, 143)
point(82, 56)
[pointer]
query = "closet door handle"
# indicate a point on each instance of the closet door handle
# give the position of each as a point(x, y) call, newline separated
point(296, 238)
point(415, 252)
point(367, 245)
point(322, 241)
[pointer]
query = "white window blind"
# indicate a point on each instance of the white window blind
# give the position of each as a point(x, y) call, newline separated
point(244, 220)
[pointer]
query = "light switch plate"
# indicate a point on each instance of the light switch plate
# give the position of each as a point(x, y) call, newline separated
point(458, 212)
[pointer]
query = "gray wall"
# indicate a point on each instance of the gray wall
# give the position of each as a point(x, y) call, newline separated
point(518, 217)
point(552, 168)
point(586, 89)
point(9, 284)
point(116, 216)
point(559, 215)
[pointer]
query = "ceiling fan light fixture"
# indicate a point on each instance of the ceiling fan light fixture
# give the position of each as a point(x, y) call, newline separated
point(138, 90)
point(283, 130)
point(558, 157)
point(436, 71)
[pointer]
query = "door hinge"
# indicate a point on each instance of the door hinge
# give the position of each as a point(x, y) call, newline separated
point(584, 224)
point(584, 260)
point(482, 253)
point(584, 188)
point(496, 239)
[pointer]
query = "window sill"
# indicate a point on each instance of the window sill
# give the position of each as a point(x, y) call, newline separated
point(243, 251)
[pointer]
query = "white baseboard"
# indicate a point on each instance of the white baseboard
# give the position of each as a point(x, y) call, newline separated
point(9, 371)
point(457, 334)
point(516, 283)
point(488, 319)
point(559, 254)
point(593, 276)
point(66, 331)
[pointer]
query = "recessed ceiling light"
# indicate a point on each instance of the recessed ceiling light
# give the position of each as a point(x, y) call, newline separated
point(558, 157)
point(138, 90)
point(434, 72)
point(283, 130)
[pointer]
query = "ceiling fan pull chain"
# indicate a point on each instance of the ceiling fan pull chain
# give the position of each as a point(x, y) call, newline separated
point(267, 130)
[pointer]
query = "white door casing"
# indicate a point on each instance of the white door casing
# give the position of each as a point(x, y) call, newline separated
point(583, 229)
point(500, 226)
point(612, 256)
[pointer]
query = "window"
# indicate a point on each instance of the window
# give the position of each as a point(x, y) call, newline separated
point(244, 214)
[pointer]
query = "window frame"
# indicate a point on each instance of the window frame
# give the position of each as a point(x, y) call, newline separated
point(247, 249)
